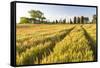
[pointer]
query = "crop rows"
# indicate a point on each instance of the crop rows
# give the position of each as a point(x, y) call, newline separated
point(29, 53)
point(73, 48)
point(55, 44)
point(91, 30)
point(40, 37)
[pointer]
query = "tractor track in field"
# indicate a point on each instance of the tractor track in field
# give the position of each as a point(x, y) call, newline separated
point(51, 49)
point(91, 43)
point(54, 41)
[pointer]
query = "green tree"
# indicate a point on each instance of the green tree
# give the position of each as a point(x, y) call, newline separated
point(82, 19)
point(56, 21)
point(75, 20)
point(94, 19)
point(40, 15)
point(78, 20)
point(36, 14)
point(64, 21)
point(24, 20)
point(71, 21)
point(33, 14)
point(42, 19)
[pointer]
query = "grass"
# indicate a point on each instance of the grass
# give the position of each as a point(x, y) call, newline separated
point(54, 43)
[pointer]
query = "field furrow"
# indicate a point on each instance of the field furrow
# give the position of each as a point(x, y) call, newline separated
point(91, 42)
point(21, 47)
point(73, 48)
point(34, 54)
point(55, 43)
point(91, 30)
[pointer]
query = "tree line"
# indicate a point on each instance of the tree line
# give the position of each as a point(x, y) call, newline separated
point(37, 17)
point(80, 20)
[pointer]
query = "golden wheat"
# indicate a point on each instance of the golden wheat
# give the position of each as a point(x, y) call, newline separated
point(53, 43)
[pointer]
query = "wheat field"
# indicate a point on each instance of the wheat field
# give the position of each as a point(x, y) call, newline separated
point(55, 43)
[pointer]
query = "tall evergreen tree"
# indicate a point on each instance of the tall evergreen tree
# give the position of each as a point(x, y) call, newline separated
point(94, 19)
point(56, 22)
point(82, 20)
point(71, 21)
point(64, 21)
point(78, 20)
point(75, 20)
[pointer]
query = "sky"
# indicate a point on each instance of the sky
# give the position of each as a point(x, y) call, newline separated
point(53, 12)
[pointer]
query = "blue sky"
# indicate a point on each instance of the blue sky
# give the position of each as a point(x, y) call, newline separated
point(53, 12)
